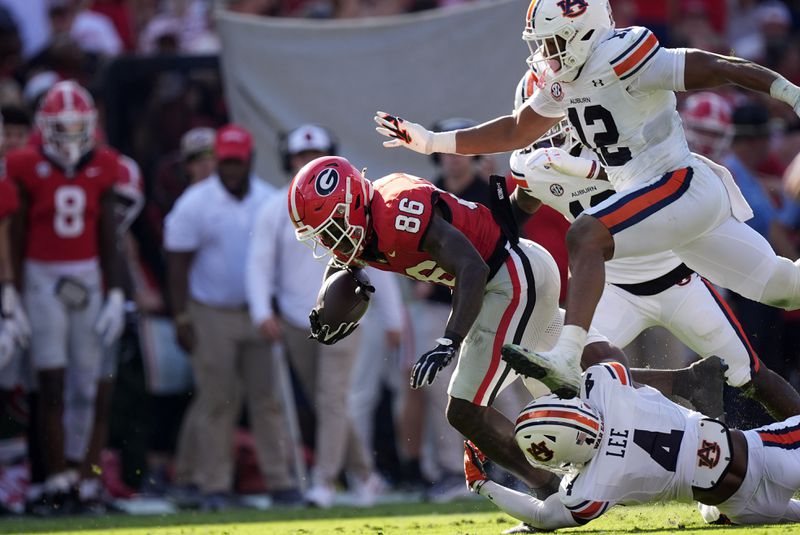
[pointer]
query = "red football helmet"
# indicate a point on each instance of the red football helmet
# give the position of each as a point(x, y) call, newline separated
point(129, 192)
point(328, 204)
point(707, 121)
point(67, 118)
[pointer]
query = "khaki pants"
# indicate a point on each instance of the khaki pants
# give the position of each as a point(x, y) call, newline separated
point(231, 362)
point(324, 373)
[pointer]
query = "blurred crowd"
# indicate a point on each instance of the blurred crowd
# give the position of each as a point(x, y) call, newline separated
point(213, 390)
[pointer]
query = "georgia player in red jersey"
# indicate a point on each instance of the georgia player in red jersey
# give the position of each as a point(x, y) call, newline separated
point(504, 289)
point(71, 281)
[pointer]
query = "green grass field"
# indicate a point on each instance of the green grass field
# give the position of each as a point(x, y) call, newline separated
point(474, 518)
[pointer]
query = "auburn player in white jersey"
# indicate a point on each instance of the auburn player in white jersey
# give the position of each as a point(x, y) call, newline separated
point(617, 87)
point(641, 291)
point(621, 443)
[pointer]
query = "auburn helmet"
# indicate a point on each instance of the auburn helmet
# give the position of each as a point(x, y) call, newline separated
point(558, 434)
point(708, 122)
point(565, 33)
point(329, 207)
point(67, 118)
point(559, 134)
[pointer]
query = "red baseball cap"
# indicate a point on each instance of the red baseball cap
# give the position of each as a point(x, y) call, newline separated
point(233, 142)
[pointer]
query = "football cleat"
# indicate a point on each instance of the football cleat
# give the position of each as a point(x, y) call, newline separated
point(562, 378)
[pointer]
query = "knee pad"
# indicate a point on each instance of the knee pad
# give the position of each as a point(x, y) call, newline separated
point(782, 289)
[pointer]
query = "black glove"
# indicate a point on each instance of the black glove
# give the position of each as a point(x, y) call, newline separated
point(324, 334)
point(425, 370)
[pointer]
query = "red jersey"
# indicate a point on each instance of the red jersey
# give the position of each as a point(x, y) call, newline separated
point(9, 201)
point(63, 212)
point(401, 210)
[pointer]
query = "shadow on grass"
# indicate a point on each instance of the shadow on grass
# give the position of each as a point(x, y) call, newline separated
point(30, 525)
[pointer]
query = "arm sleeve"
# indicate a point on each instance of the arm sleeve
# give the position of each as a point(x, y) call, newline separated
point(544, 105)
point(181, 226)
point(388, 299)
point(260, 267)
point(665, 70)
point(547, 515)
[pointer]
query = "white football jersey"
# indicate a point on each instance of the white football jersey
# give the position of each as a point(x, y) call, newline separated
point(622, 106)
point(570, 196)
point(648, 450)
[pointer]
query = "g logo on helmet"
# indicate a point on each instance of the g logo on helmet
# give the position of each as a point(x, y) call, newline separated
point(326, 182)
point(572, 8)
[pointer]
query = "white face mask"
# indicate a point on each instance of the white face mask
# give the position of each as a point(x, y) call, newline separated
point(69, 140)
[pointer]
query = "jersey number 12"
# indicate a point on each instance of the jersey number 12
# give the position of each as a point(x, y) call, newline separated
point(601, 140)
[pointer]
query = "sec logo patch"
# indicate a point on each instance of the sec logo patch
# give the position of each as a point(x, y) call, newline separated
point(326, 182)
point(556, 190)
point(557, 91)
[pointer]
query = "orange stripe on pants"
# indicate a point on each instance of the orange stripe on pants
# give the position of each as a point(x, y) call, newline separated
point(634, 206)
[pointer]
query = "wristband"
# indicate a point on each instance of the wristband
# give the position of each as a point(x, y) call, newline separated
point(444, 142)
point(785, 91)
point(456, 338)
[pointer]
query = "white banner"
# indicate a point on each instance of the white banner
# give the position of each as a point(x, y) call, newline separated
point(455, 62)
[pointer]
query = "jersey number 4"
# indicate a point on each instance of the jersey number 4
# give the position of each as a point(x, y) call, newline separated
point(663, 448)
point(69, 203)
point(601, 140)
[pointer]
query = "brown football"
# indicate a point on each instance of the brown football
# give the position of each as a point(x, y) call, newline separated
point(338, 301)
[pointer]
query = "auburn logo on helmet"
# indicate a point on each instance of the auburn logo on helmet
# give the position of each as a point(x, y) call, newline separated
point(540, 452)
point(326, 182)
point(572, 8)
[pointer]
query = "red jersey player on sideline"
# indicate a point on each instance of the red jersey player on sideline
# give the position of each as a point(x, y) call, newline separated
point(71, 269)
point(504, 288)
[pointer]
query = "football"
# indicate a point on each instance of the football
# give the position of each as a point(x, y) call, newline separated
point(340, 300)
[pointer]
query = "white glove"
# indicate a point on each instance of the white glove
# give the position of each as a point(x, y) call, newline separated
point(16, 323)
point(111, 320)
point(404, 133)
point(561, 161)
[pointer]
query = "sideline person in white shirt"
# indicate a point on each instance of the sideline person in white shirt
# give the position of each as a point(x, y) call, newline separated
point(207, 237)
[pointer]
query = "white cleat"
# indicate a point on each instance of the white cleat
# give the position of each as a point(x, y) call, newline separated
point(561, 377)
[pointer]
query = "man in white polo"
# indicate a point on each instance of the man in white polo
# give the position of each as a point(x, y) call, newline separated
point(207, 236)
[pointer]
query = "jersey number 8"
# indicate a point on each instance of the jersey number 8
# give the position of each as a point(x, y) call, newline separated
point(408, 223)
point(70, 203)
